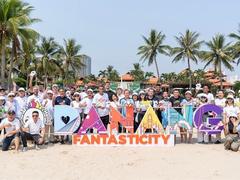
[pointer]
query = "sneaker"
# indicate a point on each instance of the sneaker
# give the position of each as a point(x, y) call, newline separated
point(37, 147)
point(217, 142)
point(24, 149)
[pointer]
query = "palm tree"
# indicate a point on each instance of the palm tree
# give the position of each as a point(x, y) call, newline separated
point(71, 57)
point(112, 74)
point(46, 63)
point(137, 73)
point(236, 46)
point(152, 47)
point(219, 54)
point(188, 49)
point(14, 28)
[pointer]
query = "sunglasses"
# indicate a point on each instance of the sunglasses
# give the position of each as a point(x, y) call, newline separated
point(11, 96)
point(34, 115)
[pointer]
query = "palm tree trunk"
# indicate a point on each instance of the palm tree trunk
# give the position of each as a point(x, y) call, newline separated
point(158, 74)
point(3, 60)
point(11, 66)
point(220, 71)
point(190, 75)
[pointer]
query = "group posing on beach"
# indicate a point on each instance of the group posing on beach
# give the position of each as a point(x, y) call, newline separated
point(40, 131)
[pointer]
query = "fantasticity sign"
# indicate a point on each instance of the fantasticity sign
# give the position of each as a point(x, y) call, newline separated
point(124, 140)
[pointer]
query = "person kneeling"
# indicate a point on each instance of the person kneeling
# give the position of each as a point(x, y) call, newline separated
point(231, 131)
point(12, 127)
point(33, 130)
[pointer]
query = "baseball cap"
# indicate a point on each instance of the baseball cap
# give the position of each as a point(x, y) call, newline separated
point(188, 92)
point(230, 97)
point(89, 90)
point(21, 89)
point(11, 94)
point(49, 92)
point(2, 98)
point(12, 112)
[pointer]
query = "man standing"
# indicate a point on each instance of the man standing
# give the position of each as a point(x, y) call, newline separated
point(210, 96)
point(86, 103)
point(33, 129)
point(21, 101)
point(35, 97)
point(62, 99)
point(101, 103)
point(12, 127)
point(108, 91)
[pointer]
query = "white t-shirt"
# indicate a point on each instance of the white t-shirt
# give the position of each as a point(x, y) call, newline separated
point(22, 104)
point(88, 102)
point(210, 97)
point(228, 110)
point(48, 105)
point(36, 98)
point(220, 102)
point(34, 128)
point(15, 125)
point(13, 106)
point(83, 95)
point(103, 101)
point(76, 105)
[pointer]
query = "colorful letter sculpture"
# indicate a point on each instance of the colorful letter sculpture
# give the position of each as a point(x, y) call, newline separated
point(185, 120)
point(205, 124)
point(150, 121)
point(66, 120)
point(126, 122)
point(26, 113)
point(92, 121)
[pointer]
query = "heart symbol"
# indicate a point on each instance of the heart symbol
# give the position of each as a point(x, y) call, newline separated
point(65, 119)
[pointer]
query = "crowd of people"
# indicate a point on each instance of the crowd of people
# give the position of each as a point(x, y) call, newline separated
point(40, 131)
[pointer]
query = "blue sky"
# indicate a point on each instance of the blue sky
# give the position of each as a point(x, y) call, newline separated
point(110, 31)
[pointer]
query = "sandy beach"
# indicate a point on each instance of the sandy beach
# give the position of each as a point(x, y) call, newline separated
point(67, 162)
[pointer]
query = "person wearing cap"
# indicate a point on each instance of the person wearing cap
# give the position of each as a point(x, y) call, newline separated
point(76, 102)
point(141, 106)
point(21, 100)
point(33, 129)
point(230, 108)
point(203, 99)
point(187, 101)
point(48, 105)
point(12, 128)
point(232, 133)
point(11, 103)
point(86, 103)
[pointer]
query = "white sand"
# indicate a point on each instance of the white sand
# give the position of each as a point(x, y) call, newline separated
point(67, 162)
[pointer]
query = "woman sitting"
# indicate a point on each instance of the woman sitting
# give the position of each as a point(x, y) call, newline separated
point(231, 128)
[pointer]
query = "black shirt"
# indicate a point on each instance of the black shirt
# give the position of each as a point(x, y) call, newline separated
point(59, 100)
